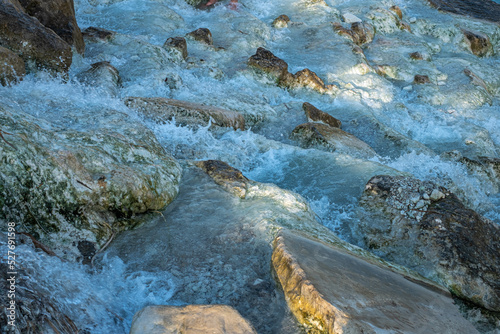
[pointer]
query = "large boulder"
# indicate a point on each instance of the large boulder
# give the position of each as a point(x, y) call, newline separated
point(425, 227)
point(11, 67)
point(191, 319)
point(58, 15)
point(186, 113)
point(37, 45)
point(75, 188)
point(332, 291)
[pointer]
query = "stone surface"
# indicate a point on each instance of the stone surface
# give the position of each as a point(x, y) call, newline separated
point(281, 22)
point(202, 35)
point(480, 9)
point(332, 139)
point(58, 15)
point(103, 76)
point(421, 79)
point(478, 43)
point(364, 31)
point(226, 176)
point(11, 67)
point(350, 18)
point(37, 45)
point(426, 228)
point(316, 115)
point(185, 113)
point(191, 319)
point(306, 79)
point(95, 34)
point(265, 61)
point(335, 292)
point(69, 185)
point(177, 43)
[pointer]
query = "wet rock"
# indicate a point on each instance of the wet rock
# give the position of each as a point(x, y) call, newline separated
point(442, 239)
point(483, 10)
point(342, 31)
point(397, 11)
point(364, 31)
point(191, 319)
point(177, 43)
point(281, 22)
point(185, 113)
point(265, 61)
point(416, 56)
point(95, 34)
point(306, 79)
point(202, 35)
point(316, 115)
point(350, 18)
point(65, 185)
point(332, 139)
point(476, 80)
point(226, 176)
point(332, 291)
point(58, 15)
point(101, 75)
point(37, 45)
point(478, 43)
point(11, 67)
point(421, 79)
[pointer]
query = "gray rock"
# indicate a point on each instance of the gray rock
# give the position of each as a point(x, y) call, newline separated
point(101, 75)
point(443, 241)
point(11, 67)
point(177, 43)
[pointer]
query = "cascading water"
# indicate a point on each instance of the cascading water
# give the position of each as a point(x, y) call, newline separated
point(450, 114)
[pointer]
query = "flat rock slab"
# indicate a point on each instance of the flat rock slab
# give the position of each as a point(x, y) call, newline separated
point(186, 113)
point(191, 319)
point(334, 292)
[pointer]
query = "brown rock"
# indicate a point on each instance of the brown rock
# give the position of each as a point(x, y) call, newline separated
point(316, 115)
point(191, 319)
point(37, 45)
point(265, 61)
point(185, 113)
point(364, 31)
point(421, 79)
point(476, 80)
point(404, 26)
point(397, 11)
point(306, 78)
point(281, 21)
point(58, 15)
point(95, 34)
point(334, 292)
point(226, 176)
point(331, 139)
point(416, 56)
point(426, 228)
point(177, 43)
point(11, 67)
point(478, 43)
point(203, 35)
point(339, 29)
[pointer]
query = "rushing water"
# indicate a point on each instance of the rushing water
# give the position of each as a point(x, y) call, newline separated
point(449, 114)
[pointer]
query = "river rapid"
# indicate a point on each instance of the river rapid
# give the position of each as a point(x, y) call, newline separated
point(450, 113)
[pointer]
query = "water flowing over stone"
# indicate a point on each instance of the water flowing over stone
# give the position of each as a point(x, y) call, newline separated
point(11, 67)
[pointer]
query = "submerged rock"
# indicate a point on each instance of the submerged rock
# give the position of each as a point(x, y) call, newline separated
point(101, 75)
point(479, 44)
point(12, 67)
point(186, 113)
point(95, 34)
point(281, 22)
point(177, 43)
point(484, 10)
point(332, 291)
point(226, 176)
point(66, 186)
point(332, 139)
point(191, 319)
point(426, 228)
point(202, 35)
point(58, 15)
point(37, 45)
point(421, 79)
point(316, 115)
